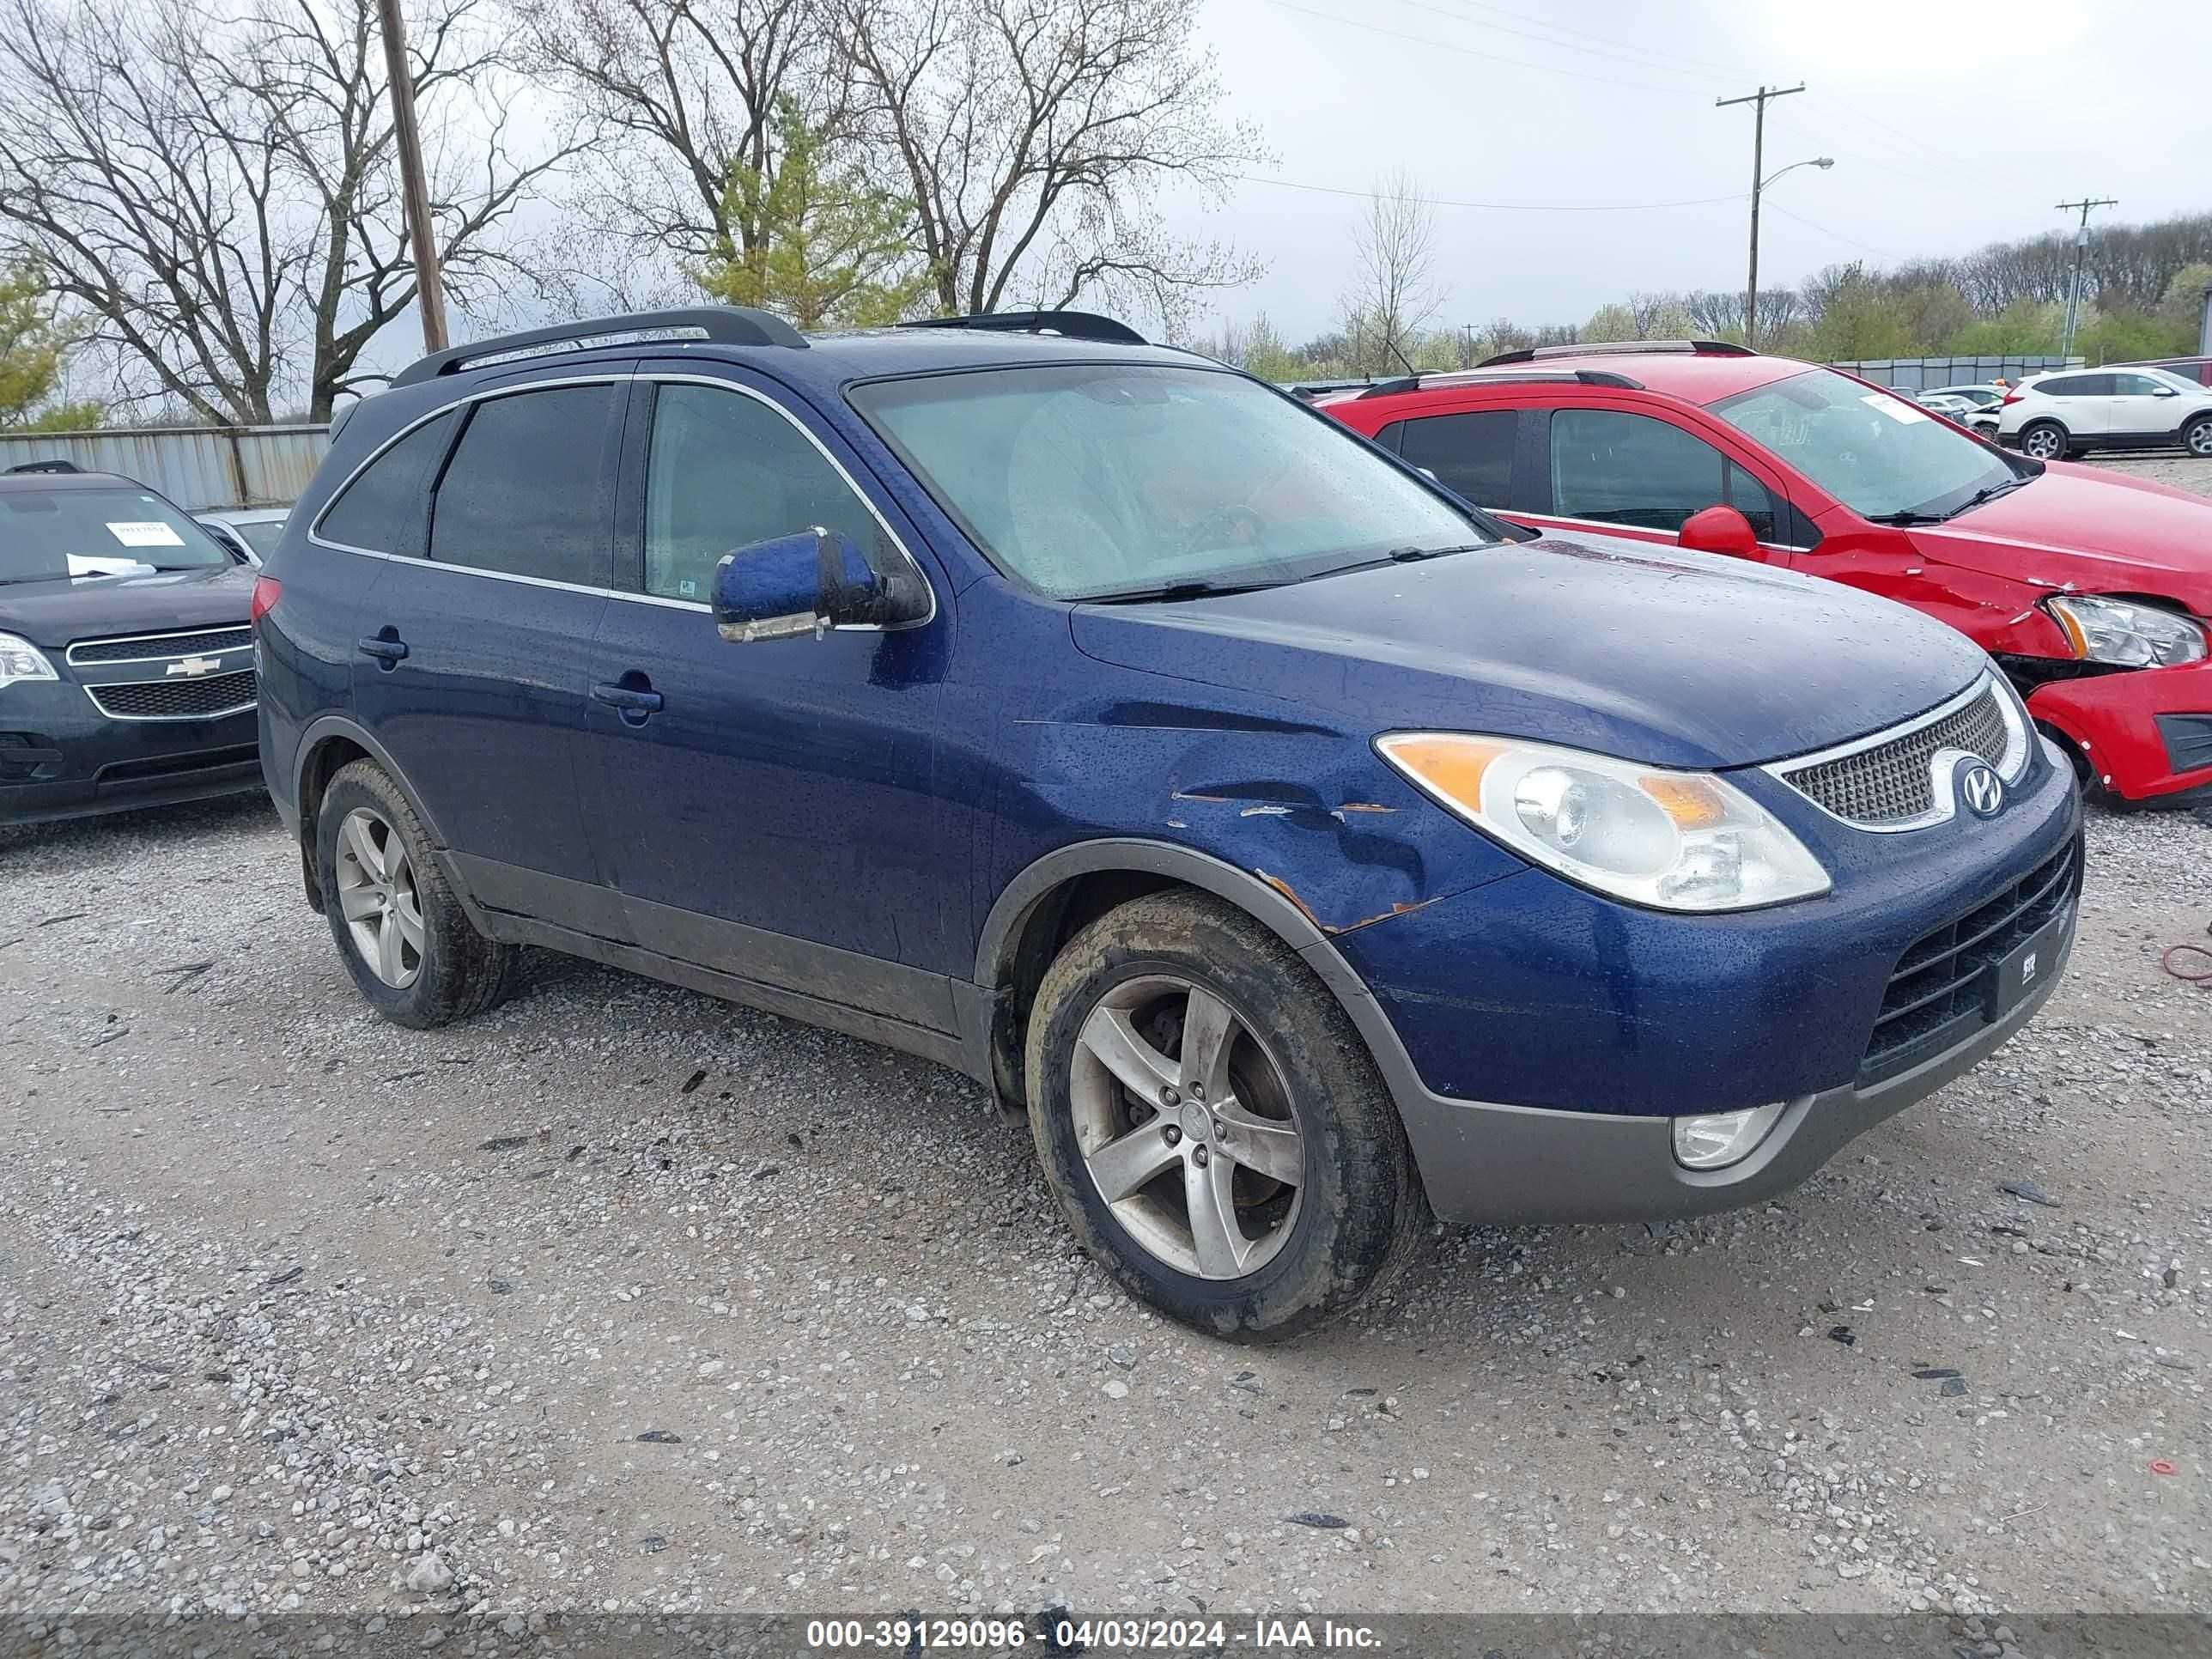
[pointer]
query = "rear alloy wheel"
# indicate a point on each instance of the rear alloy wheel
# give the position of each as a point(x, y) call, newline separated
point(1210, 1121)
point(2046, 440)
point(2196, 438)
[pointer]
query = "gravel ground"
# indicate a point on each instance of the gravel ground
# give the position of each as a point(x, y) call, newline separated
point(621, 1298)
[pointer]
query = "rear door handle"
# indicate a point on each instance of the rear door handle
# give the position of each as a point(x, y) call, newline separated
point(387, 652)
point(634, 703)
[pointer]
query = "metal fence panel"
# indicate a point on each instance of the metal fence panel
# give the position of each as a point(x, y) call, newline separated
point(1918, 374)
point(197, 467)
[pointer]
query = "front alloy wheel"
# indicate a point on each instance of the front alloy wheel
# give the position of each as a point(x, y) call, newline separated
point(2198, 439)
point(377, 897)
point(1187, 1129)
point(2043, 443)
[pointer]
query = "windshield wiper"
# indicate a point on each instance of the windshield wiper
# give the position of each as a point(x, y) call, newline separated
point(1906, 519)
point(1169, 592)
point(1989, 493)
point(1408, 554)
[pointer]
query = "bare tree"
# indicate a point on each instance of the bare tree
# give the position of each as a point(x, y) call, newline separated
point(686, 95)
point(1395, 293)
point(1035, 137)
point(217, 193)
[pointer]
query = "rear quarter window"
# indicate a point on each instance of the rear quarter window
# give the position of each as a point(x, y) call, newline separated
point(386, 508)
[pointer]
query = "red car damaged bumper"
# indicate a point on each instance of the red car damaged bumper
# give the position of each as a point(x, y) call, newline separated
point(2145, 732)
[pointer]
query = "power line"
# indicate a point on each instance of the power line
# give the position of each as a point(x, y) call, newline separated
point(1498, 207)
point(1545, 40)
point(1475, 51)
point(2081, 247)
point(1759, 101)
point(1653, 53)
point(1810, 224)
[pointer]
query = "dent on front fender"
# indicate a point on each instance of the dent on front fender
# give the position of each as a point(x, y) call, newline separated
point(1311, 811)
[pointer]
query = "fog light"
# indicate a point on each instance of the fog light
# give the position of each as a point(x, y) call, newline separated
point(1721, 1138)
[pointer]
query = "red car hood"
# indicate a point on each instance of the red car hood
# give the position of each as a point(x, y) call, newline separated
point(2085, 527)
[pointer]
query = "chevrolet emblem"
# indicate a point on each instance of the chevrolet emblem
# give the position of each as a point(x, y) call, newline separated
point(194, 666)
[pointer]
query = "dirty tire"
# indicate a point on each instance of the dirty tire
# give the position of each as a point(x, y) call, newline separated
point(462, 974)
point(1360, 1211)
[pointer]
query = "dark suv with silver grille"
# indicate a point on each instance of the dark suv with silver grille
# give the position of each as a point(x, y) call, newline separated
point(126, 656)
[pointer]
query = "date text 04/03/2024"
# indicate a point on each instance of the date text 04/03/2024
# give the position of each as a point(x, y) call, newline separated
point(1069, 1633)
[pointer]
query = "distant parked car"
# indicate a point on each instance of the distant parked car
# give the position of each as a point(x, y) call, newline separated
point(126, 660)
point(2091, 589)
point(1981, 405)
point(250, 532)
point(1950, 405)
point(2198, 370)
point(1303, 849)
point(2072, 411)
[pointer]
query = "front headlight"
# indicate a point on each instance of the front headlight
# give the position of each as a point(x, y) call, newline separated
point(21, 660)
point(2131, 636)
point(1677, 841)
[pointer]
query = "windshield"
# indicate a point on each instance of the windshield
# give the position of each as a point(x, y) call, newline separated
point(1876, 453)
point(48, 534)
point(1096, 480)
point(262, 535)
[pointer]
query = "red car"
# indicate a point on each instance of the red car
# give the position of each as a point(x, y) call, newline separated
point(2091, 588)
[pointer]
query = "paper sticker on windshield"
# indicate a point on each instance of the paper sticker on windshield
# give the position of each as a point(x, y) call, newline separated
point(1896, 408)
point(145, 532)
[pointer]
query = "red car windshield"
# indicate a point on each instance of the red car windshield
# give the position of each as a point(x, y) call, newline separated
point(1878, 454)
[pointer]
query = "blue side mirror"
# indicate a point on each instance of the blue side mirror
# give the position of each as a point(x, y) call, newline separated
point(810, 582)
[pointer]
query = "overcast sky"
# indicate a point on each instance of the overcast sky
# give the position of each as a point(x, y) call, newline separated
point(1952, 123)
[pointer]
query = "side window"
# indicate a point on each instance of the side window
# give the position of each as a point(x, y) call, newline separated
point(387, 508)
point(2066, 385)
point(1390, 436)
point(530, 489)
point(1634, 470)
point(726, 469)
point(2138, 386)
point(1472, 453)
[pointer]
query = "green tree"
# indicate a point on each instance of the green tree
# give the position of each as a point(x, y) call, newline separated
point(2023, 327)
point(2182, 309)
point(1860, 323)
point(1610, 323)
point(2122, 337)
point(833, 250)
point(33, 342)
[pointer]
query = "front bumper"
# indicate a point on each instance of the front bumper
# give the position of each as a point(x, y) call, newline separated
point(1525, 1165)
point(60, 757)
point(2140, 729)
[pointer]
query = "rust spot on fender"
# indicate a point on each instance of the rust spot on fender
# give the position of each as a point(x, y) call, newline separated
point(1291, 893)
point(1398, 909)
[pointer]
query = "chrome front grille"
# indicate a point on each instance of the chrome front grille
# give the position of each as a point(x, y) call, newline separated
point(155, 647)
point(206, 697)
point(1891, 782)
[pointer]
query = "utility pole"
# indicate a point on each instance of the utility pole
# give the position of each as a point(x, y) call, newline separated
point(429, 292)
point(1758, 170)
point(2080, 247)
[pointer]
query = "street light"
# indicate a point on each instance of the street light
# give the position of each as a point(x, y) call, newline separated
point(1751, 286)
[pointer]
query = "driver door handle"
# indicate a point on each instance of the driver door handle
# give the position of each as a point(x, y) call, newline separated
point(631, 700)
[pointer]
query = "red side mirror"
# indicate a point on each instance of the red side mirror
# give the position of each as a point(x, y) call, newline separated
point(1721, 530)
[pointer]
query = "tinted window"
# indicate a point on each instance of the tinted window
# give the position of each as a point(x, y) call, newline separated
point(1471, 454)
point(725, 471)
point(530, 488)
point(2066, 385)
point(1634, 470)
point(387, 508)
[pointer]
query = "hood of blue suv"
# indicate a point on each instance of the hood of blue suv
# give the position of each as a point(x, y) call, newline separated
point(1672, 659)
point(54, 613)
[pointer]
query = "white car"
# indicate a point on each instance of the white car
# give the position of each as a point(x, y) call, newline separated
point(252, 531)
point(1980, 403)
point(2067, 412)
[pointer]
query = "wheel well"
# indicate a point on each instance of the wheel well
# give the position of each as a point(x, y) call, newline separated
point(323, 763)
point(1054, 918)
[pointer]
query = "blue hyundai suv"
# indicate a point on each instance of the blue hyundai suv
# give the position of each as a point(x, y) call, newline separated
point(1304, 850)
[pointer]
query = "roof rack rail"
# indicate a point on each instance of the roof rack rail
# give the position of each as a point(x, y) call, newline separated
point(725, 324)
point(54, 465)
point(1451, 377)
point(1070, 325)
point(1625, 347)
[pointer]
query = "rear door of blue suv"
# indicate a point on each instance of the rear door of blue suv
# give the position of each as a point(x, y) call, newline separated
point(1303, 850)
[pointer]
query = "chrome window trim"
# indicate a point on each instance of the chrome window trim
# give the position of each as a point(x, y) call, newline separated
point(1941, 764)
point(1674, 537)
point(69, 656)
point(315, 536)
